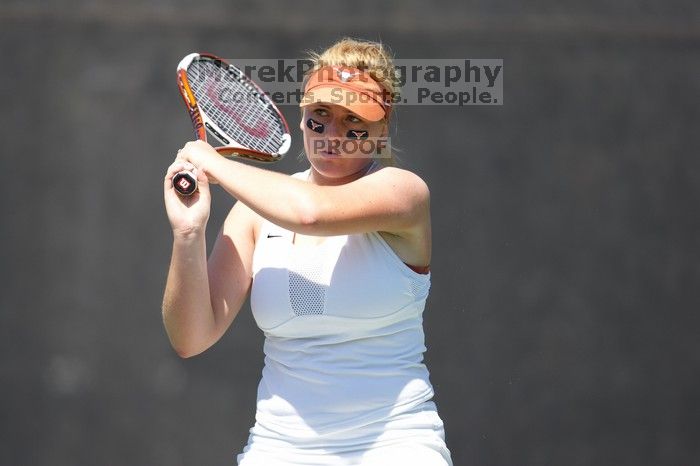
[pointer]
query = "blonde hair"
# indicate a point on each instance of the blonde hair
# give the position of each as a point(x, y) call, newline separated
point(371, 57)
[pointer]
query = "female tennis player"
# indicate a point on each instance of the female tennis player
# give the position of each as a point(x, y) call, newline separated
point(336, 259)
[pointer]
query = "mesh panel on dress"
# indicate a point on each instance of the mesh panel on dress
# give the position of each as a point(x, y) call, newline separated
point(307, 294)
point(419, 287)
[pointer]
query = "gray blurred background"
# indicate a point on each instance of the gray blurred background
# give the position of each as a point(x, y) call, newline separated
point(562, 326)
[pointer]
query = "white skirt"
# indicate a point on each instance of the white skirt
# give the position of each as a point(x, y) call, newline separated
point(414, 438)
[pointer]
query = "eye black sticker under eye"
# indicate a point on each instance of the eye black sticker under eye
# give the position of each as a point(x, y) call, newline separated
point(358, 134)
point(314, 125)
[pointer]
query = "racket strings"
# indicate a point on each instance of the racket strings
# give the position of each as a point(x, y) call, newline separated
point(237, 107)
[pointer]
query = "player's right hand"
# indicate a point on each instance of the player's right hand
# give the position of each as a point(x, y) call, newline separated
point(188, 215)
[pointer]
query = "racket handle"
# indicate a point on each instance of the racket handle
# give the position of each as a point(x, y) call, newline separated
point(185, 183)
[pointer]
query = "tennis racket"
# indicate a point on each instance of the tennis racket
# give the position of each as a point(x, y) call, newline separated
point(223, 101)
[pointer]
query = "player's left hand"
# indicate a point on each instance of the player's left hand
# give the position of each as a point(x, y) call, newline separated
point(203, 156)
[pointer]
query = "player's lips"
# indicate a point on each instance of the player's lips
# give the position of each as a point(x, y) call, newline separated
point(330, 153)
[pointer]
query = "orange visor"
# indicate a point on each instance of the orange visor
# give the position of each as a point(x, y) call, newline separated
point(351, 88)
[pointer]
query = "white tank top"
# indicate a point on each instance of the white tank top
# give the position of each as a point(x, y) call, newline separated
point(343, 329)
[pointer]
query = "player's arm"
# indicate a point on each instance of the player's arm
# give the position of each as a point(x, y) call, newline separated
point(391, 200)
point(203, 297)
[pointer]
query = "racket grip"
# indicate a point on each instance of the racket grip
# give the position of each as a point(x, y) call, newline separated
point(185, 183)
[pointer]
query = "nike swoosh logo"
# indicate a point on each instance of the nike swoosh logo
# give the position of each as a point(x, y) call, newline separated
point(273, 236)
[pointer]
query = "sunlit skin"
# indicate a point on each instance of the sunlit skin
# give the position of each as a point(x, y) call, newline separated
point(336, 167)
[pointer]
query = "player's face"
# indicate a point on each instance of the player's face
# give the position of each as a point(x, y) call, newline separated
point(338, 143)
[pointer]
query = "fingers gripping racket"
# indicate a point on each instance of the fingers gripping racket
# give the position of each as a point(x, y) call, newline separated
point(223, 101)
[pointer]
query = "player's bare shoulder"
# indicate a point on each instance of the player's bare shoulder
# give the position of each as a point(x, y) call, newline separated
point(407, 184)
point(413, 243)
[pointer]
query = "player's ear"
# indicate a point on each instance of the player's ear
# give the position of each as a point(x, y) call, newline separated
point(385, 129)
point(301, 118)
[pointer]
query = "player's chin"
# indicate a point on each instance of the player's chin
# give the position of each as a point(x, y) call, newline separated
point(338, 166)
point(340, 156)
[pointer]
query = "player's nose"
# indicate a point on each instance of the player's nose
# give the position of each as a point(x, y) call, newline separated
point(333, 129)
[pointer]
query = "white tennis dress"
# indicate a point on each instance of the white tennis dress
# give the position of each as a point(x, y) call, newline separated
point(343, 382)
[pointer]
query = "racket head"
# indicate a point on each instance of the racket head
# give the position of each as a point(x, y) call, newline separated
point(224, 102)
